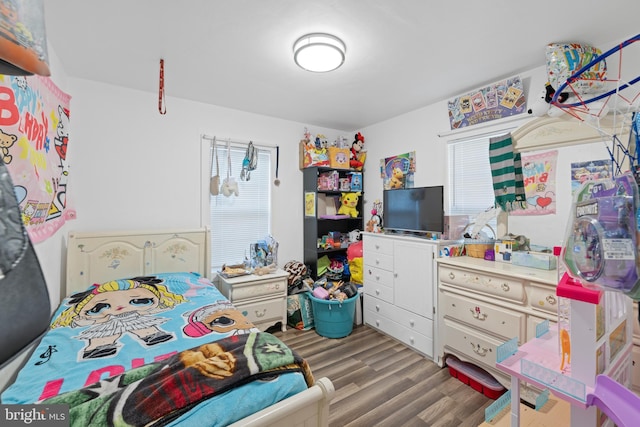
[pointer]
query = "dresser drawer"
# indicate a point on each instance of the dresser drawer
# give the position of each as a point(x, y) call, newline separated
point(487, 317)
point(473, 344)
point(404, 318)
point(375, 245)
point(501, 287)
point(375, 275)
point(381, 261)
point(406, 335)
point(543, 298)
point(379, 291)
point(268, 310)
point(246, 291)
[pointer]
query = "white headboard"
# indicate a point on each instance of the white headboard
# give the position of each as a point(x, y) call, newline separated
point(97, 257)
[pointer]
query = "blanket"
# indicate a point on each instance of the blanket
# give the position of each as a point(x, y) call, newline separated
point(506, 173)
point(157, 393)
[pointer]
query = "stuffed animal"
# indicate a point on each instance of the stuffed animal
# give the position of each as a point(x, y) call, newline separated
point(348, 204)
point(357, 147)
point(541, 105)
point(397, 179)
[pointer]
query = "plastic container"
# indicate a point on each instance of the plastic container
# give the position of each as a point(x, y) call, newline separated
point(333, 319)
point(477, 378)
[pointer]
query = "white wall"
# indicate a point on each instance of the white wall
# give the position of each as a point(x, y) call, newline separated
point(419, 129)
point(132, 168)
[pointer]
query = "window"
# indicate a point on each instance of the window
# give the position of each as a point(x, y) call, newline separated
point(470, 183)
point(238, 221)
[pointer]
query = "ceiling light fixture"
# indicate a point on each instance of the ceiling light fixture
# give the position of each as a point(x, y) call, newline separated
point(319, 52)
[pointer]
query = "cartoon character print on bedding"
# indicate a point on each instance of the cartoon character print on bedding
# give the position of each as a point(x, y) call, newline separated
point(221, 317)
point(109, 310)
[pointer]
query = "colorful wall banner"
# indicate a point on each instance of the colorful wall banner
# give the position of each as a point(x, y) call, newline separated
point(539, 175)
point(34, 135)
point(591, 170)
point(496, 101)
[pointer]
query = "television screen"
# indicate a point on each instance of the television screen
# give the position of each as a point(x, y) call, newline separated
point(419, 209)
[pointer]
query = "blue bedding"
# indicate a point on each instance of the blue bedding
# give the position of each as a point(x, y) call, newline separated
point(146, 324)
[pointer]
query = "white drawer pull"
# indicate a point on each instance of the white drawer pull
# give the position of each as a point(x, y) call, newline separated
point(452, 276)
point(411, 339)
point(412, 323)
point(551, 299)
point(378, 278)
point(377, 246)
point(261, 313)
point(505, 287)
point(477, 314)
point(377, 291)
point(480, 351)
point(377, 323)
point(377, 307)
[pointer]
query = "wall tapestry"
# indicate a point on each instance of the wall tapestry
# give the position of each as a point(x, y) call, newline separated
point(34, 134)
point(582, 172)
point(539, 175)
point(496, 101)
point(397, 171)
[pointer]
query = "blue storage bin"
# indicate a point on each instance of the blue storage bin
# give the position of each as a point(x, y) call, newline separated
point(333, 319)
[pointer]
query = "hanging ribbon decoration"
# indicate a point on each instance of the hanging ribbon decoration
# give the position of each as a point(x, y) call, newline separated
point(161, 102)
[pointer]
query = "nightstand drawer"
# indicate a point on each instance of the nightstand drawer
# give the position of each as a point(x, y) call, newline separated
point(487, 317)
point(238, 292)
point(259, 312)
point(501, 287)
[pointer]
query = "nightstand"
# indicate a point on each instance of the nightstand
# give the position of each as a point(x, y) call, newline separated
point(262, 299)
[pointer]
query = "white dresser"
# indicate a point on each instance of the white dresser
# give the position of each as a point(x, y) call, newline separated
point(262, 299)
point(484, 303)
point(399, 288)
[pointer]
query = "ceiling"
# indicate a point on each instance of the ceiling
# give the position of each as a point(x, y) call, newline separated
point(401, 54)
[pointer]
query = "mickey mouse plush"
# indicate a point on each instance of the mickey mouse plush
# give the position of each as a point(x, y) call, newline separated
point(356, 148)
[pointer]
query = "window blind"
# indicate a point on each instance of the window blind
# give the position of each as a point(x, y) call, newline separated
point(238, 221)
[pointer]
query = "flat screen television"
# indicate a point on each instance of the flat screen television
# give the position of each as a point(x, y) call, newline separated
point(418, 210)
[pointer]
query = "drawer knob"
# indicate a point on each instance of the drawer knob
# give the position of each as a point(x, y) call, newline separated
point(261, 313)
point(480, 351)
point(377, 291)
point(505, 287)
point(411, 340)
point(377, 307)
point(452, 276)
point(412, 323)
point(377, 246)
point(377, 323)
point(377, 261)
point(378, 278)
point(551, 299)
point(478, 314)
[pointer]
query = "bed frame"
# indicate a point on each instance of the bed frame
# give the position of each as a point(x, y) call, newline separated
point(102, 256)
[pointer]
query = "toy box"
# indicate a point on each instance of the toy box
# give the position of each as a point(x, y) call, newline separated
point(356, 181)
point(339, 157)
point(310, 155)
point(543, 261)
point(503, 250)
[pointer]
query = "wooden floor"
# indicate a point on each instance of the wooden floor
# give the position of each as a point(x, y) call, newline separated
point(381, 382)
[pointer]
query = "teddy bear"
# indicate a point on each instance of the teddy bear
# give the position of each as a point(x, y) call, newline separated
point(348, 204)
point(357, 146)
point(6, 141)
point(397, 179)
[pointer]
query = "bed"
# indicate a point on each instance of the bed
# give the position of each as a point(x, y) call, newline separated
point(144, 337)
